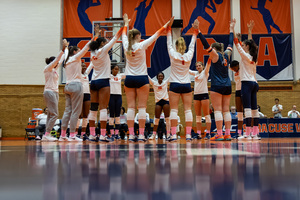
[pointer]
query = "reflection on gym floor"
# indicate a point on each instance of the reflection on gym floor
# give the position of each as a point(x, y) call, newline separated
point(197, 170)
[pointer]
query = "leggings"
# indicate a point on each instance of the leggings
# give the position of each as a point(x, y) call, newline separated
point(115, 104)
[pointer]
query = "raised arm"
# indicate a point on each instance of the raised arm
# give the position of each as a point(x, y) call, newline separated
point(111, 43)
point(228, 51)
point(207, 67)
point(190, 52)
point(57, 60)
point(124, 32)
point(250, 26)
point(212, 53)
point(146, 43)
point(89, 69)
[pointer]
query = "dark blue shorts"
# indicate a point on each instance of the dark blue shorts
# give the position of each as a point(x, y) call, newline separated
point(162, 102)
point(201, 97)
point(238, 93)
point(223, 90)
point(86, 97)
point(180, 88)
point(136, 81)
point(99, 84)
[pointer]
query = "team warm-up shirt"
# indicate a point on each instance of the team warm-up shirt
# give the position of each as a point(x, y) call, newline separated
point(73, 65)
point(101, 60)
point(160, 90)
point(136, 63)
point(180, 64)
point(115, 83)
point(51, 75)
point(200, 86)
point(247, 66)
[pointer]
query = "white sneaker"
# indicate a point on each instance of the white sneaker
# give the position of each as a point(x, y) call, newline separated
point(38, 138)
point(131, 138)
point(152, 137)
point(256, 137)
point(141, 138)
point(48, 139)
point(63, 139)
point(188, 137)
point(173, 137)
point(93, 138)
point(75, 139)
point(244, 137)
point(103, 139)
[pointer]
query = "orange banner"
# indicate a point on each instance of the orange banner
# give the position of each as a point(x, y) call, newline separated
point(270, 16)
point(80, 14)
point(148, 15)
point(214, 16)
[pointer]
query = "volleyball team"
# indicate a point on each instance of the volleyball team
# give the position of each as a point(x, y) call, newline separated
point(84, 101)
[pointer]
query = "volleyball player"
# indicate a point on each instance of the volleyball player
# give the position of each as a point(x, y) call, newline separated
point(201, 98)
point(115, 101)
point(249, 89)
point(73, 90)
point(220, 83)
point(160, 88)
point(100, 87)
point(51, 91)
point(180, 83)
point(136, 81)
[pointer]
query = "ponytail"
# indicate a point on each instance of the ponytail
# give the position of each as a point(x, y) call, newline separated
point(131, 35)
point(71, 52)
point(49, 60)
point(180, 45)
point(252, 49)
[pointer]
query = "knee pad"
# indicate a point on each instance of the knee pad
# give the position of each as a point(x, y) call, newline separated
point(240, 116)
point(156, 121)
point(84, 122)
point(130, 113)
point(218, 116)
point(111, 121)
point(207, 119)
point(227, 116)
point(173, 114)
point(142, 113)
point(255, 113)
point(117, 120)
point(248, 113)
point(198, 119)
point(103, 114)
point(188, 116)
point(94, 106)
point(92, 115)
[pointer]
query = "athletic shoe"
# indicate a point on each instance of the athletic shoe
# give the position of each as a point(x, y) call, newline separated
point(235, 137)
point(103, 139)
point(48, 139)
point(63, 139)
point(244, 137)
point(152, 137)
point(227, 138)
point(93, 138)
point(173, 138)
point(207, 136)
point(142, 138)
point(38, 138)
point(84, 137)
point(132, 138)
point(75, 139)
point(217, 138)
point(188, 137)
point(117, 137)
point(256, 137)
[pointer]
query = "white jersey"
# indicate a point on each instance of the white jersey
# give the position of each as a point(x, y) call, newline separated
point(237, 80)
point(180, 64)
point(85, 84)
point(115, 83)
point(200, 86)
point(160, 90)
point(51, 75)
point(136, 63)
point(101, 60)
point(73, 65)
point(247, 66)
